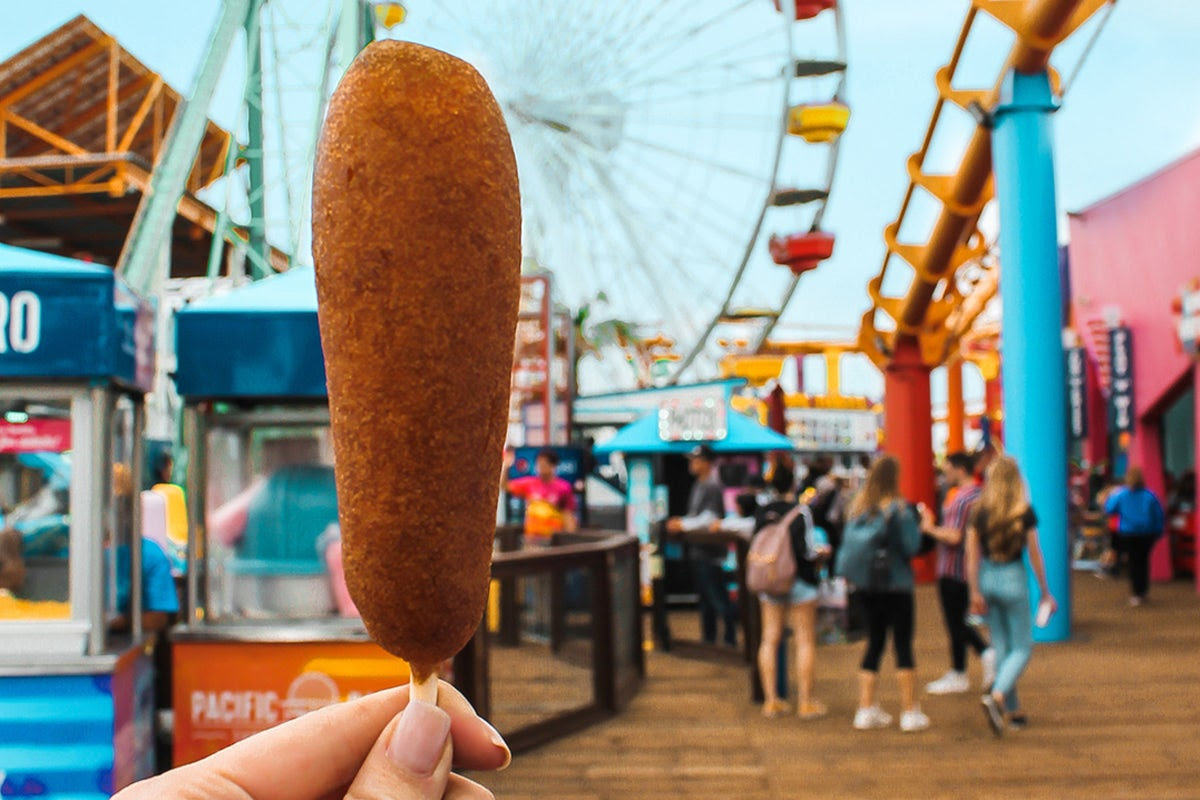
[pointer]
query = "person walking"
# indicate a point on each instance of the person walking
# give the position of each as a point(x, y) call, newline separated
point(879, 503)
point(1002, 530)
point(952, 580)
point(1139, 524)
point(798, 607)
point(706, 504)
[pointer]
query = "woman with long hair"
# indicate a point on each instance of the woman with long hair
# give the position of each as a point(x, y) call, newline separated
point(1139, 524)
point(1002, 530)
point(880, 503)
point(799, 606)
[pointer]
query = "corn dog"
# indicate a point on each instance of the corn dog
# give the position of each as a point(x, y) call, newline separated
point(417, 249)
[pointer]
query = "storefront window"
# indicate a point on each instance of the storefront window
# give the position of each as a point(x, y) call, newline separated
point(274, 547)
point(35, 503)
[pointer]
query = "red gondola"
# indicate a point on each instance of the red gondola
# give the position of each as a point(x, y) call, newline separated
point(801, 252)
point(807, 9)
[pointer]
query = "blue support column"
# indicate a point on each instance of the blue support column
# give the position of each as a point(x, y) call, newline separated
point(1033, 368)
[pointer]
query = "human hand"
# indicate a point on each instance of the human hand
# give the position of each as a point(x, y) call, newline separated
point(716, 526)
point(380, 746)
point(674, 525)
point(978, 604)
point(927, 518)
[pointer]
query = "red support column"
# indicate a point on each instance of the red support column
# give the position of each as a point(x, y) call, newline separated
point(1196, 421)
point(955, 413)
point(1095, 446)
point(993, 408)
point(1146, 451)
point(907, 412)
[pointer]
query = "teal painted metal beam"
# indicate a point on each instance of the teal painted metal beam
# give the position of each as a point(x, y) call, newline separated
point(144, 261)
point(258, 256)
point(1035, 395)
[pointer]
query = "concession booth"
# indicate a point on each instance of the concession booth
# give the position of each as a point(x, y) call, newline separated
point(269, 631)
point(76, 673)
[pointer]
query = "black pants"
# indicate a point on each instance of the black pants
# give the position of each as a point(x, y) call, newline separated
point(955, 598)
point(1138, 549)
point(709, 578)
point(889, 610)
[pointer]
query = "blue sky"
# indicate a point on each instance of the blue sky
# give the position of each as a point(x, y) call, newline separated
point(1132, 109)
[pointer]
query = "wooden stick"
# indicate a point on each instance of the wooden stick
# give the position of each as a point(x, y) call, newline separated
point(424, 690)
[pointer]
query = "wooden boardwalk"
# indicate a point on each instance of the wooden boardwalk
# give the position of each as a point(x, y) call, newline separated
point(1114, 713)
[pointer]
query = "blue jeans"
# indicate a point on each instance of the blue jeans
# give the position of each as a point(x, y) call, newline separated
point(709, 580)
point(1006, 590)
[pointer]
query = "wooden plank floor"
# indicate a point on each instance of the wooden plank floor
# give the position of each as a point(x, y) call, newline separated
point(1114, 713)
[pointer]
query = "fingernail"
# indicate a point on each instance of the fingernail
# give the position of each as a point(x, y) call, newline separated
point(498, 740)
point(419, 738)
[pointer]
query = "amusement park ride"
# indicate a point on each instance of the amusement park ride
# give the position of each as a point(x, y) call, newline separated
point(102, 161)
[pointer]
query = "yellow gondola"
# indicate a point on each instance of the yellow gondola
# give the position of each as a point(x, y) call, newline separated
point(818, 122)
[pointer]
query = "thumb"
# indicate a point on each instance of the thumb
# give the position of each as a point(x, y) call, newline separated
point(410, 760)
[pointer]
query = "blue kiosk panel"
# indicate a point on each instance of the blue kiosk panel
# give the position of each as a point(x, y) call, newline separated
point(261, 341)
point(67, 319)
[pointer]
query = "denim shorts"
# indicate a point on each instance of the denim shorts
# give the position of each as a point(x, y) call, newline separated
point(801, 593)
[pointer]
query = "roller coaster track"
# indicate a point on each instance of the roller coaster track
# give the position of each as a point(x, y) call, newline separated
point(936, 310)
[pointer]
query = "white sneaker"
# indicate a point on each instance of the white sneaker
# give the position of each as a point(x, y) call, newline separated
point(988, 660)
point(950, 683)
point(871, 717)
point(914, 720)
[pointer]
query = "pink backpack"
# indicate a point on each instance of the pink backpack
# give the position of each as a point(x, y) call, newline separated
point(771, 564)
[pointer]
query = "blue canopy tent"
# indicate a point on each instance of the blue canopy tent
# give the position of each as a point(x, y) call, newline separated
point(743, 435)
point(68, 319)
point(260, 341)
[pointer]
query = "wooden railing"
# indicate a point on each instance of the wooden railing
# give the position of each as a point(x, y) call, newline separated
point(591, 575)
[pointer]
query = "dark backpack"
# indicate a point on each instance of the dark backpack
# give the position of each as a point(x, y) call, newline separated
point(864, 558)
point(771, 563)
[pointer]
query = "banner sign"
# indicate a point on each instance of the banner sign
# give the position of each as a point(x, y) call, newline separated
point(226, 691)
point(1077, 421)
point(833, 430)
point(1120, 400)
point(35, 436)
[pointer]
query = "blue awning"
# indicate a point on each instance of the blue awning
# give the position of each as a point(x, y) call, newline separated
point(71, 319)
point(260, 341)
point(744, 435)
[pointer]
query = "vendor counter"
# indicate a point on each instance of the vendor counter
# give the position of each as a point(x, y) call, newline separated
point(235, 679)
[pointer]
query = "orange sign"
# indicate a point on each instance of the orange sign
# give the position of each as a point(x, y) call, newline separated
point(226, 691)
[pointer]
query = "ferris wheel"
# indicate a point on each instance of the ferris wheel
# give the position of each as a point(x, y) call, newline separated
point(650, 139)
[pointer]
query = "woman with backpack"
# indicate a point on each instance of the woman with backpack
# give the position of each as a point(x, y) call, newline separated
point(798, 606)
point(880, 537)
point(1002, 529)
point(1139, 524)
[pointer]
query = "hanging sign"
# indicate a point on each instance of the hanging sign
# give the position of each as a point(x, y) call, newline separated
point(833, 430)
point(1120, 400)
point(693, 417)
point(1077, 421)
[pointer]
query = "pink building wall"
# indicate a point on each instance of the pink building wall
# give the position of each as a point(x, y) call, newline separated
point(1136, 251)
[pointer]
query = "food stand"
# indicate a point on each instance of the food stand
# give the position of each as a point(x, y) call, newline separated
point(268, 632)
point(76, 698)
point(654, 447)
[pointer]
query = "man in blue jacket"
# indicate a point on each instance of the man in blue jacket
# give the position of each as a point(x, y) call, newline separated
point(1140, 522)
